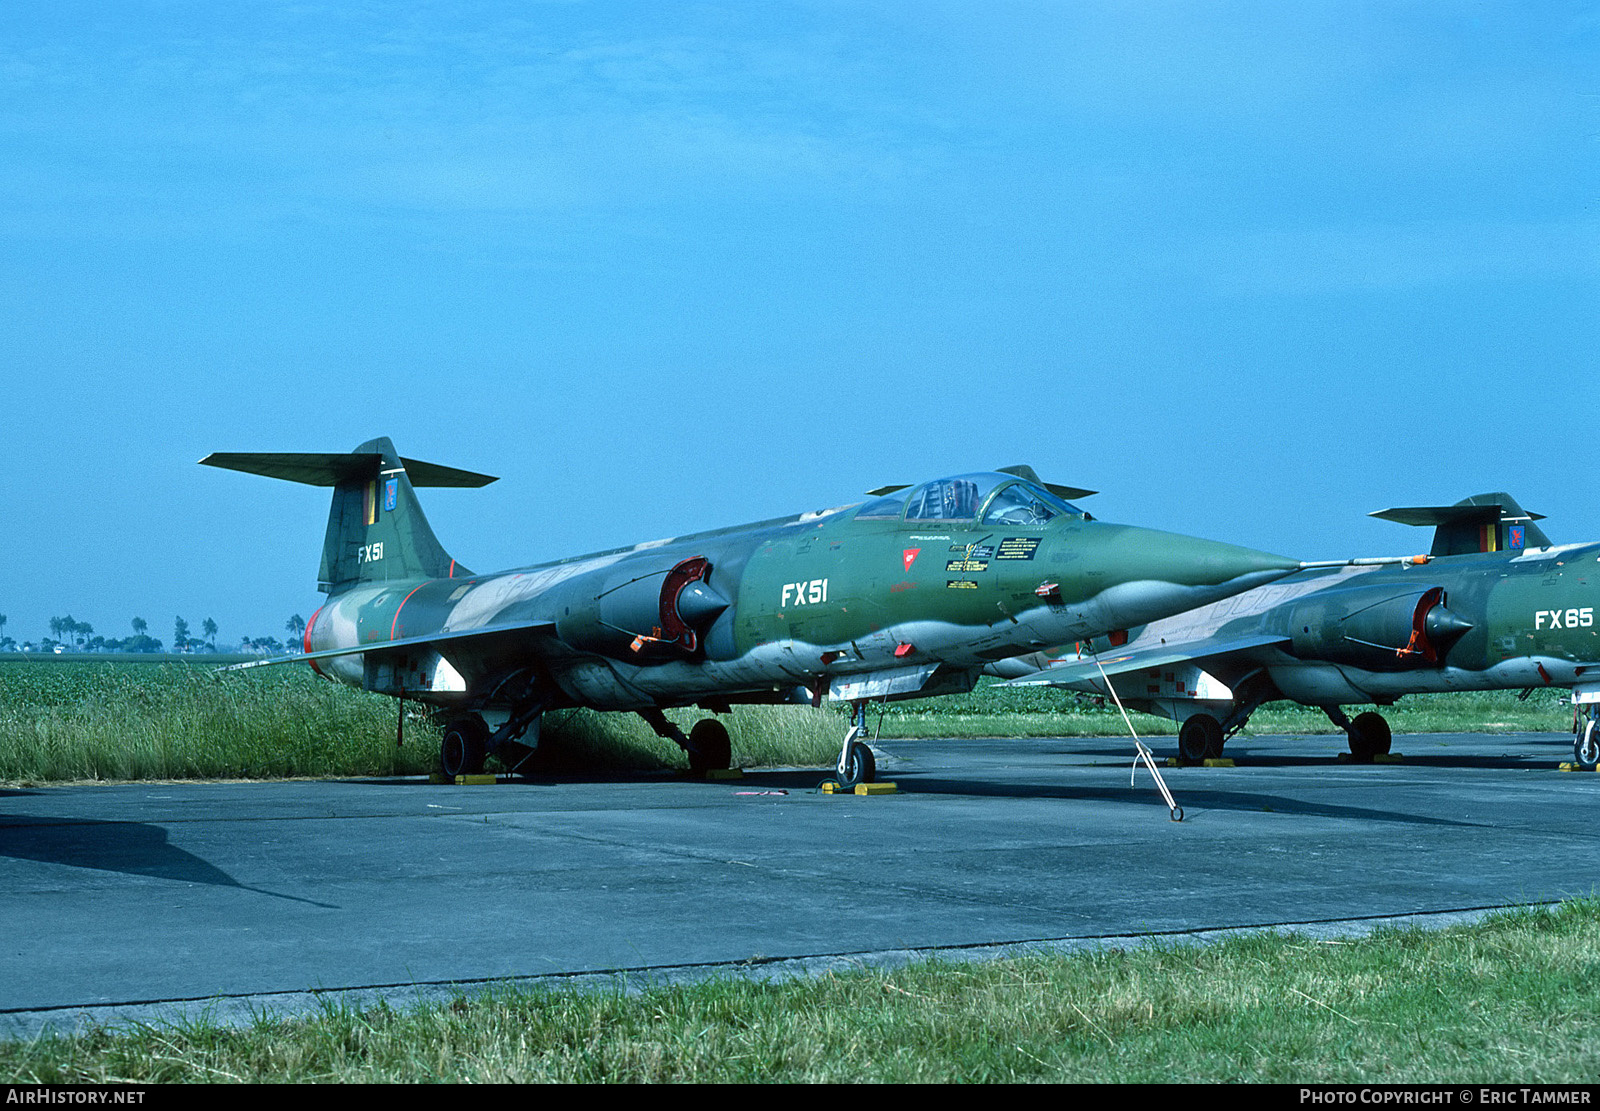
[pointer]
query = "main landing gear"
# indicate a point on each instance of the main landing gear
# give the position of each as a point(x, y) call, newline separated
point(856, 762)
point(1199, 738)
point(1586, 741)
point(464, 747)
point(707, 742)
point(1369, 732)
point(468, 740)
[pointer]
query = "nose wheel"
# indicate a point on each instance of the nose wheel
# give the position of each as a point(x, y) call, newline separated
point(856, 762)
point(1586, 746)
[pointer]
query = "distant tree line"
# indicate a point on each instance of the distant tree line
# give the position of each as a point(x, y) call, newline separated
point(69, 634)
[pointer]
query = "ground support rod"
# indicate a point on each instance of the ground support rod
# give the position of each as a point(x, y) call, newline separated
point(1174, 811)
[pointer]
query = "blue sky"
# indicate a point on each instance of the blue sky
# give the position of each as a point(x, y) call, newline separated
point(1252, 270)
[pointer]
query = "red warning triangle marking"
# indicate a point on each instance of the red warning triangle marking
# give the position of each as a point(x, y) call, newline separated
point(910, 555)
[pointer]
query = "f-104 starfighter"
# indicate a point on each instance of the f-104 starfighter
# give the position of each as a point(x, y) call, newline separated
point(909, 594)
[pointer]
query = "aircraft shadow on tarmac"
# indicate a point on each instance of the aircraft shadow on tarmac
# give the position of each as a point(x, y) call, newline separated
point(1191, 799)
point(799, 780)
point(791, 779)
point(1415, 751)
point(131, 848)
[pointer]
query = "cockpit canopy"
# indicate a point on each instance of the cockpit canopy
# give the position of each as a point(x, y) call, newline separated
point(987, 498)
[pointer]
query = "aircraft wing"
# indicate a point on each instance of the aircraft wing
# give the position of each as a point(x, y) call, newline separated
point(1075, 670)
point(499, 636)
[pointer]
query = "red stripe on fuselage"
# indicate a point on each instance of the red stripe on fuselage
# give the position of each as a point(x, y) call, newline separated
point(305, 640)
point(395, 624)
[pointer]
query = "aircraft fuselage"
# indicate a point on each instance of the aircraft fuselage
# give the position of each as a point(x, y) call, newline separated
point(811, 601)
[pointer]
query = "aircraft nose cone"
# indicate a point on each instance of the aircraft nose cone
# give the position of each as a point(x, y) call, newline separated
point(1191, 561)
point(1150, 574)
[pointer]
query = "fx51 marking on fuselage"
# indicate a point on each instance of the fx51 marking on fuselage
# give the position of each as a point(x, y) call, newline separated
point(822, 601)
point(812, 593)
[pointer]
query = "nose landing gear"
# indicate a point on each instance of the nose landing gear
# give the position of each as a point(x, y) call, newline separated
point(856, 762)
point(1586, 742)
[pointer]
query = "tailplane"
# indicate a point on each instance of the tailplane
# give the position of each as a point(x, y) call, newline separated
point(1481, 523)
point(376, 528)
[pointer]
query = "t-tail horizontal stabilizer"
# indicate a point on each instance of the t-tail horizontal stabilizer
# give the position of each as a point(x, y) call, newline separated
point(318, 469)
point(376, 529)
point(1481, 523)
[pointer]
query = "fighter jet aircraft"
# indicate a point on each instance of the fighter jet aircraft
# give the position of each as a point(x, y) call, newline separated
point(1493, 606)
point(906, 595)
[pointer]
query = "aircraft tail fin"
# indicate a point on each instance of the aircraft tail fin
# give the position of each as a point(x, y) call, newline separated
point(376, 528)
point(1481, 523)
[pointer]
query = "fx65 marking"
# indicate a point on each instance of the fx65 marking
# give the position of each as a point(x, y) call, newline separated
point(1564, 619)
point(806, 593)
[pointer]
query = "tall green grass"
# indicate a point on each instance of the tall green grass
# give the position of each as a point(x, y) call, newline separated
point(107, 721)
point(117, 721)
point(77, 721)
point(1512, 999)
point(761, 736)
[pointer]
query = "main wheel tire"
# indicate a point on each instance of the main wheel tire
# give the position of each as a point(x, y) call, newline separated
point(1199, 738)
point(464, 746)
point(709, 746)
point(860, 766)
point(1370, 736)
point(1586, 748)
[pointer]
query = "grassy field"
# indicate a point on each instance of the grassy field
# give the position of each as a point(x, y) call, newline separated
point(119, 721)
point(179, 720)
point(1513, 999)
point(74, 721)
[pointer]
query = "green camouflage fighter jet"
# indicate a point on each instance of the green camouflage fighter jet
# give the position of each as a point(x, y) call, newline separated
point(1494, 606)
point(906, 595)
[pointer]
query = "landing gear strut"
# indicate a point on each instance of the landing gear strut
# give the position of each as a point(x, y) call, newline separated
point(856, 762)
point(468, 740)
point(707, 743)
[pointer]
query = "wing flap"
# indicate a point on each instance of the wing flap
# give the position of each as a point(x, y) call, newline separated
point(459, 642)
point(1079, 670)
